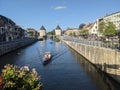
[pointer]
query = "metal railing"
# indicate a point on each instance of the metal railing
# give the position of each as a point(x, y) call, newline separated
point(14, 41)
point(114, 44)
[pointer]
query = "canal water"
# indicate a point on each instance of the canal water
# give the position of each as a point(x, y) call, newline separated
point(66, 71)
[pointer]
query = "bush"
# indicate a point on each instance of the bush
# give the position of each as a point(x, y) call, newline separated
point(16, 78)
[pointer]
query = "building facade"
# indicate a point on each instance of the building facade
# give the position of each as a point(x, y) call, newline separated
point(115, 18)
point(72, 31)
point(30, 32)
point(94, 30)
point(9, 30)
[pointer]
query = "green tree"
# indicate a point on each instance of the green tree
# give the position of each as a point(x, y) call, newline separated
point(107, 28)
point(31, 33)
point(52, 32)
point(110, 29)
point(84, 32)
point(101, 27)
point(74, 34)
point(81, 26)
point(70, 34)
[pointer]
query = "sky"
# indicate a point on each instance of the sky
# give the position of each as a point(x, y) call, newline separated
point(50, 13)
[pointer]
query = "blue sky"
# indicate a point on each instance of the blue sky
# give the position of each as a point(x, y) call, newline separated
point(50, 13)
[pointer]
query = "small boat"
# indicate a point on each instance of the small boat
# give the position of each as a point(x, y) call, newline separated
point(47, 57)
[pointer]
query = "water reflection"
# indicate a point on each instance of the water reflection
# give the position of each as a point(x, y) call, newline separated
point(100, 79)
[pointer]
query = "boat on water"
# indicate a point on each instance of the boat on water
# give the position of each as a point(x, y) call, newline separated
point(47, 57)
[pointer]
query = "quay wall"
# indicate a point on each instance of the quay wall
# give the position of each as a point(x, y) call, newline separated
point(6, 47)
point(105, 59)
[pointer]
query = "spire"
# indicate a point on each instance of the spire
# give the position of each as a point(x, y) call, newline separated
point(42, 28)
point(58, 27)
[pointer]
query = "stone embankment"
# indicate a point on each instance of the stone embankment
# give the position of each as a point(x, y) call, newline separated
point(6, 47)
point(105, 59)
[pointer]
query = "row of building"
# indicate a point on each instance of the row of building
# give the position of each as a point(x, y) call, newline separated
point(93, 28)
point(10, 31)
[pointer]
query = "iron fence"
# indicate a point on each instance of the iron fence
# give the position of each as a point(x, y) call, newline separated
point(113, 44)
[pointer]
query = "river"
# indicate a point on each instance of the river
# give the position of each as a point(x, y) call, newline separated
point(66, 71)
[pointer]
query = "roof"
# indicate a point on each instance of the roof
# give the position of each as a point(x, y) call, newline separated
point(6, 21)
point(72, 28)
point(112, 13)
point(42, 28)
point(58, 27)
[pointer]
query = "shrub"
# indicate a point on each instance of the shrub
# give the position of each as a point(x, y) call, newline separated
point(16, 78)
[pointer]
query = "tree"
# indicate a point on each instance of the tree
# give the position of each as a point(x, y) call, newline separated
point(84, 32)
point(73, 33)
point(52, 32)
point(31, 33)
point(101, 27)
point(81, 26)
point(70, 33)
point(107, 28)
point(110, 29)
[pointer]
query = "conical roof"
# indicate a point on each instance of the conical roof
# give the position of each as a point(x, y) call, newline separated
point(58, 27)
point(42, 28)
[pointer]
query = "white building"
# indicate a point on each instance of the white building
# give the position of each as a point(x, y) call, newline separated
point(95, 28)
point(115, 18)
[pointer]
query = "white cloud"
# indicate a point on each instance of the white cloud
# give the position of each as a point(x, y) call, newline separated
point(60, 7)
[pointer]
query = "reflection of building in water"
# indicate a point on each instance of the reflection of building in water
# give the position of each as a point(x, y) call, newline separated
point(42, 43)
point(100, 79)
point(58, 45)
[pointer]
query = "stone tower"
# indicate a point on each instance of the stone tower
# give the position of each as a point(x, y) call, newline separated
point(58, 31)
point(42, 32)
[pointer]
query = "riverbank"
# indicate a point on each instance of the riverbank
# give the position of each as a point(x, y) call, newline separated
point(107, 60)
point(6, 47)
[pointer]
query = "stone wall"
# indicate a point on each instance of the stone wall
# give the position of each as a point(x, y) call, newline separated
point(105, 59)
point(6, 47)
